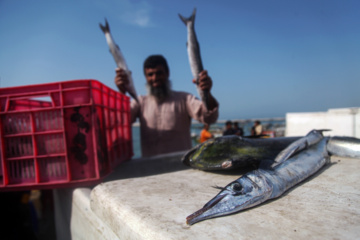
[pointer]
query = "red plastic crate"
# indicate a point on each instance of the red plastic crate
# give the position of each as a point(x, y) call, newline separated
point(64, 134)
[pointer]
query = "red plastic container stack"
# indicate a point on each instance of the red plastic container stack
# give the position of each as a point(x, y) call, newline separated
point(64, 134)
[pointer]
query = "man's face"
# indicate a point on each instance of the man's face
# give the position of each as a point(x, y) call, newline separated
point(156, 77)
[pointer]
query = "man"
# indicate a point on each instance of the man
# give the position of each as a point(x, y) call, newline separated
point(256, 130)
point(165, 115)
point(228, 129)
point(238, 131)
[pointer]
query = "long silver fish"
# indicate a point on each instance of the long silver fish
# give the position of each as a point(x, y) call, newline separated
point(258, 186)
point(344, 146)
point(119, 58)
point(231, 152)
point(193, 50)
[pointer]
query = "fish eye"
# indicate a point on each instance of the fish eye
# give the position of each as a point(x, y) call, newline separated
point(236, 187)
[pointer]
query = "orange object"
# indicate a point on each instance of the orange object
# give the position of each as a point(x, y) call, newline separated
point(205, 135)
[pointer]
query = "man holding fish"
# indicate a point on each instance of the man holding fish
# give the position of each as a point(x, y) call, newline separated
point(165, 115)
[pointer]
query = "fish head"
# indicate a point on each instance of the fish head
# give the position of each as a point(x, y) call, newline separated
point(224, 152)
point(245, 192)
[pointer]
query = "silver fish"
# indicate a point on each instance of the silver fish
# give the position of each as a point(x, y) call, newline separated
point(258, 186)
point(193, 50)
point(119, 58)
point(344, 146)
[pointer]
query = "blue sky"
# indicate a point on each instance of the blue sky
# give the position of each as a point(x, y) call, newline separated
point(266, 58)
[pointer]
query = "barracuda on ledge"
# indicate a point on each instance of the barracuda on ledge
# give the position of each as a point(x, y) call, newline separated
point(298, 161)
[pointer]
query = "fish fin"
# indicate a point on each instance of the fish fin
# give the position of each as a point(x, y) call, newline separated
point(106, 28)
point(288, 153)
point(189, 19)
point(299, 146)
point(295, 151)
point(323, 130)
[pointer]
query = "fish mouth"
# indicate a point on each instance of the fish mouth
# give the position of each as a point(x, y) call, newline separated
point(186, 158)
point(196, 216)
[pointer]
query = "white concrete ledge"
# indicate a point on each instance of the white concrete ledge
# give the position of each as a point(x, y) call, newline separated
point(342, 122)
point(327, 206)
point(85, 225)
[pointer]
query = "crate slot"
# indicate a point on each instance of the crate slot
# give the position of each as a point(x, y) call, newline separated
point(48, 120)
point(18, 146)
point(16, 123)
point(21, 171)
point(52, 169)
point(50, 143)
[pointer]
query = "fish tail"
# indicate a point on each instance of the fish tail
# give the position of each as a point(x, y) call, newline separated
point(106, 28)
point(189, 19)
point(323, 130)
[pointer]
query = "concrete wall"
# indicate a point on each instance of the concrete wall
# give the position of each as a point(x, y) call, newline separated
point(342, 122)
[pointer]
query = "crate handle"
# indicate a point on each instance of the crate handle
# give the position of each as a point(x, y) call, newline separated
point(39, 99)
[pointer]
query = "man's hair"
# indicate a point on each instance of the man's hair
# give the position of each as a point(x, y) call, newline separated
point(155, 60)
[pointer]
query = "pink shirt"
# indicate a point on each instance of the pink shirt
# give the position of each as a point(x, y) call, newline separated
point(165, 127)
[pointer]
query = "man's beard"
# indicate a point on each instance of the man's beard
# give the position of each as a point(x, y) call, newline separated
point(161, 92)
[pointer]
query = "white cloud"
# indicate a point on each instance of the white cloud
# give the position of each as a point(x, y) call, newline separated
point(134, 12)
point(138, 14)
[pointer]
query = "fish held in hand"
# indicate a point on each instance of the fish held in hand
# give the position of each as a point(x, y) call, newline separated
point(232, 152)
point(119, 59)
point(193, 49)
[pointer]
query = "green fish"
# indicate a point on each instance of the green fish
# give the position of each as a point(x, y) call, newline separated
point(231, 152)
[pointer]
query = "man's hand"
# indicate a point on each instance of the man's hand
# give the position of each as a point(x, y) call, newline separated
point(204, 82)
point(121, 80)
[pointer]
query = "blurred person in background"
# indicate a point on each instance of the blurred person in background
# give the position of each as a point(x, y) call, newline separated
point(238, 130)
point(228, 128)
point(205, 134)
point(256, 130)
